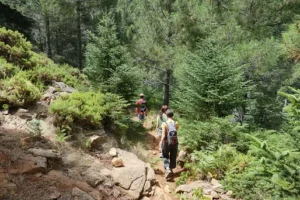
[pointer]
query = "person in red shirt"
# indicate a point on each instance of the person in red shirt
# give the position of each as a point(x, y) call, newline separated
point(141, 108)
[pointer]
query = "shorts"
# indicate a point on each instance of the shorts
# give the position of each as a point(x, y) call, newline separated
point(141, 117)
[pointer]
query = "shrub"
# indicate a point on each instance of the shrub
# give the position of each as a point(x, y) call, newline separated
point(217, 163)
point(87, 108)
point(274, 174)
point(15, 49)
point(46, 74)
point(18, 91)
point(6, 69)
point(196, 135)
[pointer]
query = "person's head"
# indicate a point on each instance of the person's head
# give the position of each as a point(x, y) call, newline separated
point(142, 96)
point(169, 113)
point(163, 110)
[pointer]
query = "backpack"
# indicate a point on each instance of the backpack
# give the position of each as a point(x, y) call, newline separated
point(143, 106)
point(172, 134)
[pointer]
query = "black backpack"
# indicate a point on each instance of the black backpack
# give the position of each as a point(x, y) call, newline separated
point(143, 106)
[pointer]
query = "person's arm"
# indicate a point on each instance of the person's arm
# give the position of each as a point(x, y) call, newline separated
point(163, 132)
point(157, 120)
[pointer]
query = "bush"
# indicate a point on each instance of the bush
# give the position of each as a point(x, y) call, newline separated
point(18, 91)
point(217, 163)
point(46, 74)
point(87, 108)
point(6, 69)
point(196, 135)
point(15, 49)
point(274, 174)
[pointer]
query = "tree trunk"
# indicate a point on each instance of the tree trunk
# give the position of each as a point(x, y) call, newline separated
point(167, 86)
point(79, 37)
point(41, 43)
point(48, 36)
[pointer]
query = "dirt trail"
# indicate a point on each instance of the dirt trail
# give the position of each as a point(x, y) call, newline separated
point(163, 186)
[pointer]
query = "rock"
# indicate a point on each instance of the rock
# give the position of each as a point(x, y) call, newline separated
point(32, 165)
point(47, 153)
point(154, 153)
point(25, 141)
point(132, 177)
point(145, 198)
point(96, 174)
point(54, 193)
point(80, 195)
point(24, 114)
point(207, 191)
point(147, 188)
point(150, 174)
point(117, 162)
point(63, 87)
point(214, 182)
point(225, 197)
point(167, 189)
point(218, 188)
point(181, 156)
point(113, 152)
point(97, 141)
point(51, 90)
point(229, 193)
point(38, 175)
point(21, 110)
point(74, 174)
point(194, 185)
point(215, 195)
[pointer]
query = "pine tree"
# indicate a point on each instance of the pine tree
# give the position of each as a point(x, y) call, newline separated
point(209, 82)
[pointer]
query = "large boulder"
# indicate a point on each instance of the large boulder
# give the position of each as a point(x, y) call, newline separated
point(96, 174)
point(80, 195)
point(133, 176)
point(31, 165)
point(47, 153)
point(194, 185)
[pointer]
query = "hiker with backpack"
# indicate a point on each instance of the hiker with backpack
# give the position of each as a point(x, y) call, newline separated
point(141, 109)
point(169, 143)
point(162, 117)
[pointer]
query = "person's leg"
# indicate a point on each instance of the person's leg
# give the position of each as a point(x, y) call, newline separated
point(173, 155)
point(140, 117)
point(166, 161)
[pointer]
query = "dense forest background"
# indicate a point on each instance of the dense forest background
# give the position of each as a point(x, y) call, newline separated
point(229, 68)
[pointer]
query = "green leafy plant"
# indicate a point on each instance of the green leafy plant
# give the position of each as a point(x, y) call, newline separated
point(89, 109)
point(35, 128)
point(18, 91)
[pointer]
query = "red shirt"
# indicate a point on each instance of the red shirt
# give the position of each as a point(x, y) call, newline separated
point(138, 103)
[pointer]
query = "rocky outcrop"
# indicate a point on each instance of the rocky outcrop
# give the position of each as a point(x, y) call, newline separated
point(135, 177)
point(211, 190)
point(80, 195)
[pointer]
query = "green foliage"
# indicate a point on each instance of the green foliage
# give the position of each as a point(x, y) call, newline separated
point(18, 91)
point(15, 49)
point(89, 109)
point(209, 82)
point(273, 174)
point(35, 128)
point(197, 135)
point(6, 69)
point(61, 73)
point(218, 163)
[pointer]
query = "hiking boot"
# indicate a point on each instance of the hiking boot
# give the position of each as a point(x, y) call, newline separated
point(168, 174)
point(160, 155)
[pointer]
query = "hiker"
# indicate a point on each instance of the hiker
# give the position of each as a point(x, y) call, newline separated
point(169, 143)
point(162, 117)
point(141, 109)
